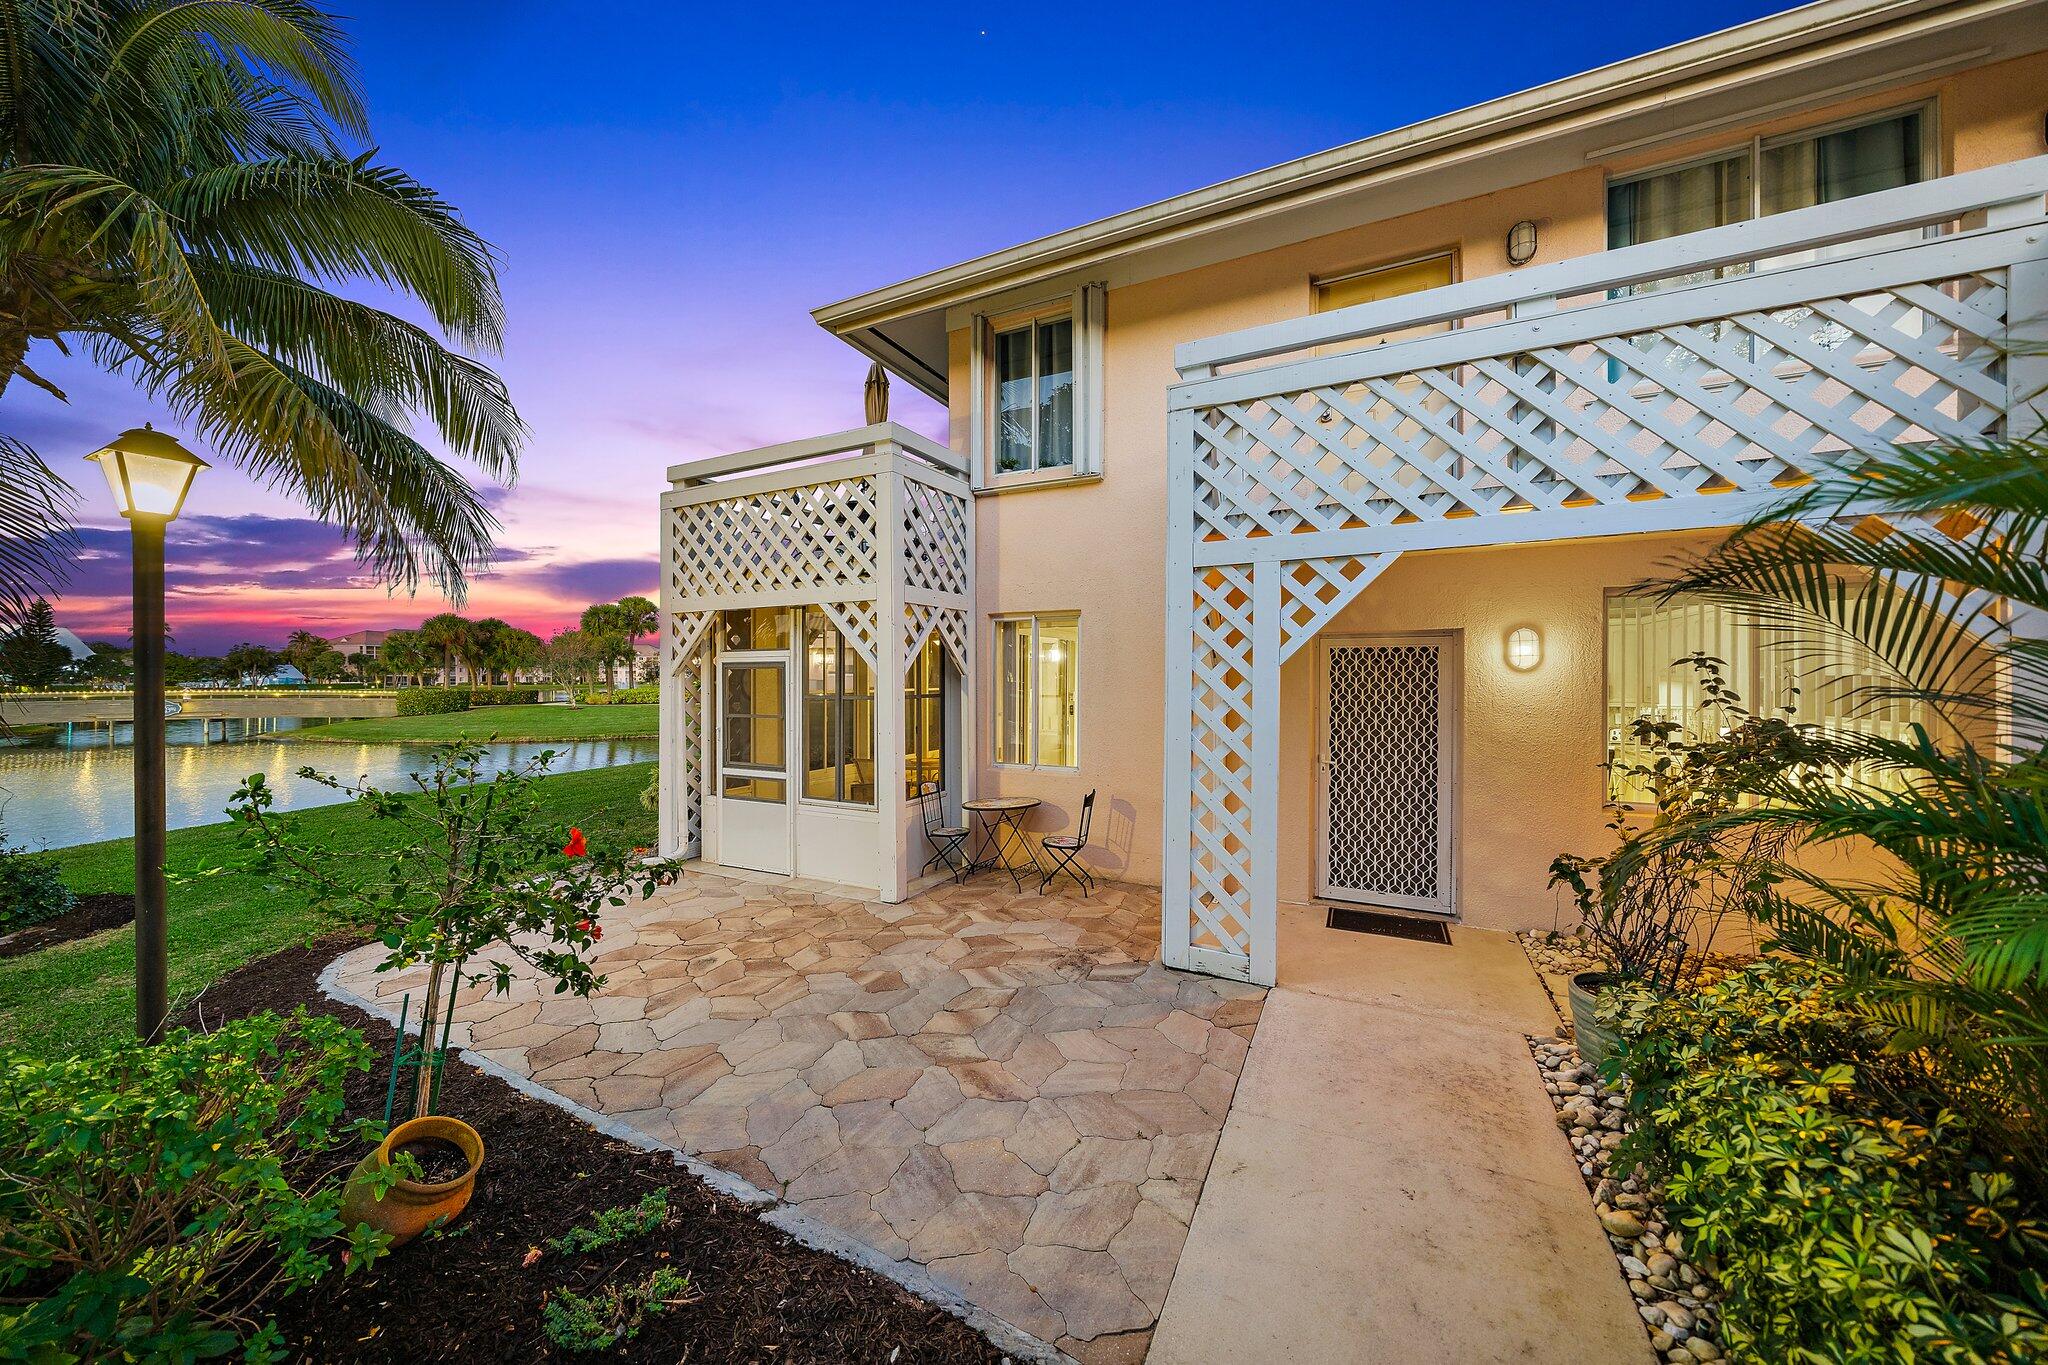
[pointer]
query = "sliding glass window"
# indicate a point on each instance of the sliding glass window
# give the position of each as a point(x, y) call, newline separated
point(1037, 690)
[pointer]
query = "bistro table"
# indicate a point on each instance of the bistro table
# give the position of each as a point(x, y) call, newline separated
point(1001, 820)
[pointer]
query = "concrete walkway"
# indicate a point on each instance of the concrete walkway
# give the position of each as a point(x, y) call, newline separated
point(1390, 1184)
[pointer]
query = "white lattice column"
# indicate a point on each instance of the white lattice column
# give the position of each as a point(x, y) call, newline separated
point(1220, 901)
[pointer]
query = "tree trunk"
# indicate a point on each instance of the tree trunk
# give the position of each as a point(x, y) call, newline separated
point(430, 1017)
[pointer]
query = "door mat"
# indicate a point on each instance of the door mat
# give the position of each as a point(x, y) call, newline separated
point(1393, 926)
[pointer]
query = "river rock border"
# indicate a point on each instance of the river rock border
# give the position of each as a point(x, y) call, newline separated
point(1678, 1299)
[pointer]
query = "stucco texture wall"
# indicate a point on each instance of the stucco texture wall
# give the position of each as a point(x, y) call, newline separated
point(1099, 547)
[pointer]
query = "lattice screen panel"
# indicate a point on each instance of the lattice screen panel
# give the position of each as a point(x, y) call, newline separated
point(920, 619)
point(1384, 774)
point(1699, 405)
point(856, 621)
point(822, 535)
point(934, 538)
point(688, 634)
point(1220, 795)
point(690, 678)
point(1313, 591)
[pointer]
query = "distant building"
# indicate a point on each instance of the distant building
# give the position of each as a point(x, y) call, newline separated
point(284, 675)
point(359, 644)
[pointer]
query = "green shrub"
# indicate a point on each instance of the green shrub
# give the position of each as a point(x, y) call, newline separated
point(152, 1196)
point(609, 1227)
point(503, 696)
point(595, 696)
point(646, 694)
point(32, 889)
point(592, 1322)
point(1851, 1219)
point(433, 701)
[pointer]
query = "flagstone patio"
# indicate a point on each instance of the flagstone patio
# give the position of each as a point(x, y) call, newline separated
point(1007, 1089)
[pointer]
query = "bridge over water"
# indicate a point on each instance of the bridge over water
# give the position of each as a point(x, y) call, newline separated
point(54, 708)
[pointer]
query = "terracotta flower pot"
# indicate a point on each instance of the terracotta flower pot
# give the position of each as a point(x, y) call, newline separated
point(409, 1207)
point(1594, 1041)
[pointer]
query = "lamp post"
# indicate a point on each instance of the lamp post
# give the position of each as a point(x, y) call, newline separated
point(149, 473)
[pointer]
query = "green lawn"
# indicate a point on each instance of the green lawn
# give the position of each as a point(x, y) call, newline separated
point(56, 1001)
point(493, 722)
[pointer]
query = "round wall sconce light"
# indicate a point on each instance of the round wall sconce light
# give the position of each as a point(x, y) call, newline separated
point(1524, 648)
point(1522, 242)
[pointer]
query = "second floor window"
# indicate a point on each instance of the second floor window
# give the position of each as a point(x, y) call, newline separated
point(1770, 175)
point(1034, 385)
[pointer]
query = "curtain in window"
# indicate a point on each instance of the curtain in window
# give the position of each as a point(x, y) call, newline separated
point(1841, 164)
point(1689, 199)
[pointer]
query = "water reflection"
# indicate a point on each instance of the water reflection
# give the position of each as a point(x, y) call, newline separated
point(76, 791)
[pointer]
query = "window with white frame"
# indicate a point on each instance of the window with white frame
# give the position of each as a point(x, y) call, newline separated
point(1772, 175)
point(1038, 671)
point(1038, 392)
point(1822, 679)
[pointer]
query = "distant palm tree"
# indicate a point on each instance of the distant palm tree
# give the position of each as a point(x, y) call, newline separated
point(179, 194)
point(444, 634)
point(403, 653)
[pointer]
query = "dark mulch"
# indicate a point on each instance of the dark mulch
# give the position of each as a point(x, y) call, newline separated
point(468, 1295)
point(89, 914)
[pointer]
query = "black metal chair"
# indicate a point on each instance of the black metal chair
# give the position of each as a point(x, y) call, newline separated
point(1066, 851)
point(946, 840)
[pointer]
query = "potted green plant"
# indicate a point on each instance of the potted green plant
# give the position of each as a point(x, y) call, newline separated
point(1653, 904)
point(477, 881)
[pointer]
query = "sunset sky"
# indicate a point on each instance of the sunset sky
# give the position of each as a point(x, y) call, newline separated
point(672, 189)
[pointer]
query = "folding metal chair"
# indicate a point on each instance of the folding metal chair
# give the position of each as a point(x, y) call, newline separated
point(1066, 851)
point(946, 840)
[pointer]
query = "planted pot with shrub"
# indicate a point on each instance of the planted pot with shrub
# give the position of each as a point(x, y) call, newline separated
point(479, 879)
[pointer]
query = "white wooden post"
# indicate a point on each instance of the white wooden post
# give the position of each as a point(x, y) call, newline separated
point(1176, 916)
point(1265, 774)
point(890, 880)
point(2026, 387)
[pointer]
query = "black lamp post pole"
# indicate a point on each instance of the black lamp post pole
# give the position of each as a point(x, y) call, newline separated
point(152, 991)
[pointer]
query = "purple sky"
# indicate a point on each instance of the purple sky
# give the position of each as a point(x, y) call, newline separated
point(672, 192)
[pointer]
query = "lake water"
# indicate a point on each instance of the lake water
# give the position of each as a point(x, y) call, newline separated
point(78, 788)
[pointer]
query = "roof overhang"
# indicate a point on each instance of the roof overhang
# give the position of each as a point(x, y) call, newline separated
point(1811, 56)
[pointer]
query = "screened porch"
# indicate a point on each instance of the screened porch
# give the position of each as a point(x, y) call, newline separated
point(817, 600)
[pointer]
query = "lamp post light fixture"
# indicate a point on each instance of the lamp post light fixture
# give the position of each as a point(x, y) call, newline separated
point(149, 473)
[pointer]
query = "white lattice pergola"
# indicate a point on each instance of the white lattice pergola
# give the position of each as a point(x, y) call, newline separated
point(1590, 397)
point(874, 527)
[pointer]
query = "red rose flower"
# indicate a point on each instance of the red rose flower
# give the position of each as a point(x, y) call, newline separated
point(575, 847)
point(596, 932)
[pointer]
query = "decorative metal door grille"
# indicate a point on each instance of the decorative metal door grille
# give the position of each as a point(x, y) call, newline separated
point(1385, 779)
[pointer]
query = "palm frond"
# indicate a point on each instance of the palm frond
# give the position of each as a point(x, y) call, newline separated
point(334, 218)
point(36, 537)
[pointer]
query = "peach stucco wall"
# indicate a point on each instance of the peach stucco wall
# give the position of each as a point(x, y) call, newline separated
point(1531, 743)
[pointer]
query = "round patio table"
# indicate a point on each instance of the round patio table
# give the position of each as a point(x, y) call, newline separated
point(1000, 818)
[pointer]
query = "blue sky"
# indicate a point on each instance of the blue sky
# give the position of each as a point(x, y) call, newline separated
point(674, 187)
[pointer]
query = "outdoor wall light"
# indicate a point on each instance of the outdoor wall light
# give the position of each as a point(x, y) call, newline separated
point(1524, 649)
point(1522, 242)
point(148, 471)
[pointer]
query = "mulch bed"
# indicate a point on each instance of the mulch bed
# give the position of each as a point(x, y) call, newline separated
point(468, 1294)
point(89, 914)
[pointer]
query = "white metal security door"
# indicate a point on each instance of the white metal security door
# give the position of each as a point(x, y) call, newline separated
point(1388, 772)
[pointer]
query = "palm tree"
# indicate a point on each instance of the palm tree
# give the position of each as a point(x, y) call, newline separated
point(403, 653)
point(444, 634)
point(181, 200)
point(1946, 943)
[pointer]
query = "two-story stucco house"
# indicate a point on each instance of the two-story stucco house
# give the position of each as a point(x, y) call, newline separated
point(1289, 515)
